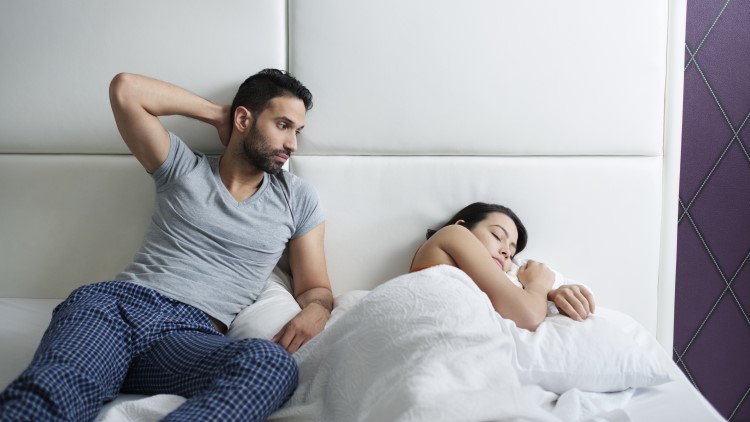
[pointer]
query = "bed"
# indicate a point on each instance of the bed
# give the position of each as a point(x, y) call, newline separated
point(568, 113)
point(428, 346)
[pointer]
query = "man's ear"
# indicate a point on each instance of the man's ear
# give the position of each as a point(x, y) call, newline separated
point(460, 222)
point(243, 119)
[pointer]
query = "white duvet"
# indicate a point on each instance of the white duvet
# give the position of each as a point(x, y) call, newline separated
point(428, 346)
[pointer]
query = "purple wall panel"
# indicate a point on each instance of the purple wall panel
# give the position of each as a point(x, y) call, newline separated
point(712, 327)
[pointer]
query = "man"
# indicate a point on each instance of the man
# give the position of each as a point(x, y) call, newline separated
point(218, 229)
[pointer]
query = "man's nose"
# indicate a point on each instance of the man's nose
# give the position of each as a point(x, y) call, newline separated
point(291, 143)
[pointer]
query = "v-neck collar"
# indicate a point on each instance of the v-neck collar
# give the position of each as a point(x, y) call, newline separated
point(225, 192)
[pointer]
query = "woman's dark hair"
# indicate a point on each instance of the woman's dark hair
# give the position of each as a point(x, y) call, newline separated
point(257, 90)
point(478, 211)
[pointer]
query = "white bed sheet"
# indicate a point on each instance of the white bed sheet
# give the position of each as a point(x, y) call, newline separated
point(396, 356)
point(24, 322)
point(676, 400)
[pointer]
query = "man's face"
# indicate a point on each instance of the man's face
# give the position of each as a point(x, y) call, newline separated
point(272, 137)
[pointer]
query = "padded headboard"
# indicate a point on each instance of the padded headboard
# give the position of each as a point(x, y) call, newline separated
point(569, 113)
point(75, 204)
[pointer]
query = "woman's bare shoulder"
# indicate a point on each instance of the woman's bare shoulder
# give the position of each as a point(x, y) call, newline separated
point(453, 236)
point(434, 250)
point(447, 246)
point(451, 232)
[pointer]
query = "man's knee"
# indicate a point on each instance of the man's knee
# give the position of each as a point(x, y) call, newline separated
point(264, 359)
point(88, 296)
point(266, 353)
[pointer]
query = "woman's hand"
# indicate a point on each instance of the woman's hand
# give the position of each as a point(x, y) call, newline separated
point(535, 276)
point(573, 300)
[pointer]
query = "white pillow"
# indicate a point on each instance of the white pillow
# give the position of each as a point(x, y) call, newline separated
point(607, 352)
point(268, 315)
point(276, 306)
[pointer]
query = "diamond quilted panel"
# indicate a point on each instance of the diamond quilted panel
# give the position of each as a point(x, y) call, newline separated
point(693, 305)
point(700, 18)
point(725, 61)
point(712, 328)
point(712, 360)
point(721, 207)
point(741, 287)
point(742, 412)
point(703, 141)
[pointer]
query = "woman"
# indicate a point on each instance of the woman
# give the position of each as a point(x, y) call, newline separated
point(481, 240)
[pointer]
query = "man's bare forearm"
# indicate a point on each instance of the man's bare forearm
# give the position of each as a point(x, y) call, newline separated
point(138, 102)
point(160, 98)
point(317, 295)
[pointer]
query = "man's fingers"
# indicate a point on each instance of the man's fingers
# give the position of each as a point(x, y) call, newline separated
point(284, 337)
point(295, 345)
point(289, 340)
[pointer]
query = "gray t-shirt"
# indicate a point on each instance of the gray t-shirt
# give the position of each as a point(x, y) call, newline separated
point(206, 249)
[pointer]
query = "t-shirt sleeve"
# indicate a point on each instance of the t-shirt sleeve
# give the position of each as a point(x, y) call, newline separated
point(180, 160)
point(306, 208)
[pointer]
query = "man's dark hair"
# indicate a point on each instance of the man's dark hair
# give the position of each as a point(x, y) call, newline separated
point(259, 89)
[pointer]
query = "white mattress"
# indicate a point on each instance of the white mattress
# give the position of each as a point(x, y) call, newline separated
point(24, 322)
point(676, 400)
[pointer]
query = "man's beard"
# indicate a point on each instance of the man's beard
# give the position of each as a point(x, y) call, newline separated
point(258, 152)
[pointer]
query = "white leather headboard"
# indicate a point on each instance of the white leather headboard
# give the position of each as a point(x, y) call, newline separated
point(569, 113)
point(554, 109)
point(74, 205)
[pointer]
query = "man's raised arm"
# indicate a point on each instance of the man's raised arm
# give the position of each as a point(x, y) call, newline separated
point(138, 101)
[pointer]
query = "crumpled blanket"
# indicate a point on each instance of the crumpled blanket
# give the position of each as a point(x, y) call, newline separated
point(428, 346)
point(424, 346)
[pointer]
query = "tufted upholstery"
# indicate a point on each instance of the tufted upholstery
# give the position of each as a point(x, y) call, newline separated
point(569, 114)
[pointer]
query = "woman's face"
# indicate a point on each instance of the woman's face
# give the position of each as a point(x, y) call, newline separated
point(498, 233)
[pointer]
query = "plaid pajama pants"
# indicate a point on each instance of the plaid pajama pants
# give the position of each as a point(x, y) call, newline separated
point(119, 336)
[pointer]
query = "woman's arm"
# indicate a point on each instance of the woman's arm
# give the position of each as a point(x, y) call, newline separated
point(456, 245)
point(573, 300)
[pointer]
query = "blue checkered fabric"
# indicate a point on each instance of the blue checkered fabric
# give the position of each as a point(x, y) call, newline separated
point(119, 336)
